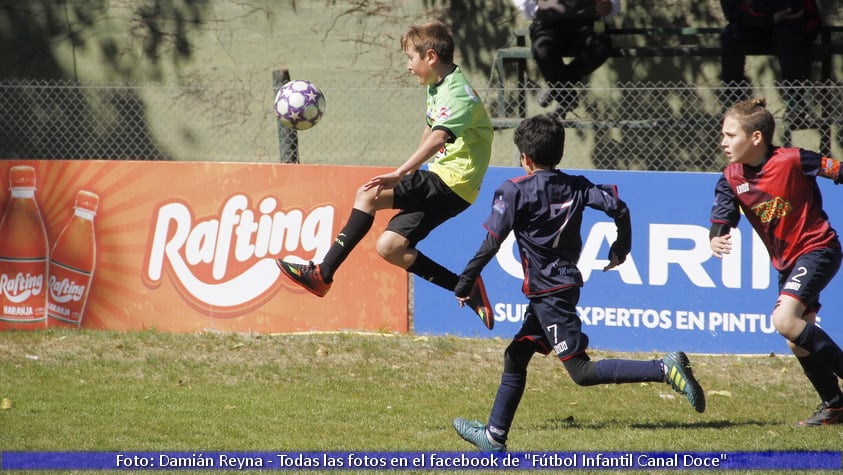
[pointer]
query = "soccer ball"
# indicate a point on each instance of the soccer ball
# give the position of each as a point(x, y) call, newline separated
point(299, 104)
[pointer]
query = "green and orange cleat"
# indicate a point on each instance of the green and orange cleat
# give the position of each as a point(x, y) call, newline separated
point(305, 275)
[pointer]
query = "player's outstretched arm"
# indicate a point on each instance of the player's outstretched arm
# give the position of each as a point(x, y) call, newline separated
point(485, 253)
point(431, 143)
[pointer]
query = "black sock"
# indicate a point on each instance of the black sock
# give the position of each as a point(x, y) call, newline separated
point(821, 347)
point(433, 272)
point(359, 223)
point(822, 378)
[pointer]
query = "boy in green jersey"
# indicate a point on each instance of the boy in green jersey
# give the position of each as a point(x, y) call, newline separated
point(458, 136)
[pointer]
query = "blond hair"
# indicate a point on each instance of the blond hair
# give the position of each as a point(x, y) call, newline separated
point(430, 36)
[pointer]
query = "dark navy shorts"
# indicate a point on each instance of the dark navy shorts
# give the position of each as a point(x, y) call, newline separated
point(552, 323)
point(809, 276)
point(425, 202)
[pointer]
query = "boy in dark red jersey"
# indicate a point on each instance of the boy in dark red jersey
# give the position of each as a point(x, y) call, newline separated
point(544, 209)
point(776, 188)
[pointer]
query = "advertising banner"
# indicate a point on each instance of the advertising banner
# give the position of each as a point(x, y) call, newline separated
point(177, 246)
point(670, 294)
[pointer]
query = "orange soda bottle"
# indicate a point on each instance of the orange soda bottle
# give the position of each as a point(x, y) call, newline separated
point(72, 263)
point(23, 256)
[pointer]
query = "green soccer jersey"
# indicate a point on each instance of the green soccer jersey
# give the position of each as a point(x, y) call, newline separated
point(453, 105)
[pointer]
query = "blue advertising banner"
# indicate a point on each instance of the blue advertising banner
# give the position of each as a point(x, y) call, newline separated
point(670, 294)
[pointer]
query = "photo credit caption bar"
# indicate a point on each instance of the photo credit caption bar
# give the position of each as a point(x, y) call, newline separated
point(290, 461)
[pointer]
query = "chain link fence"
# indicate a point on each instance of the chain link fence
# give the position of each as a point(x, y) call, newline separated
point(671, 126)
point(641, 126)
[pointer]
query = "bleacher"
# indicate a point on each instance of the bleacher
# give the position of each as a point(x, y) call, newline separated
point(510, 104)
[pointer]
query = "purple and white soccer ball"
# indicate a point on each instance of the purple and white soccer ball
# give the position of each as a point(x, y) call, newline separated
point(299, 104)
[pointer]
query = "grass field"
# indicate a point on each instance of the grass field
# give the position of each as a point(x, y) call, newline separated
point(104, 391)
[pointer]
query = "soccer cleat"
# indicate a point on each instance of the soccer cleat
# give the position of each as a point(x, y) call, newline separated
point(479, 303)
point(680, 377)
point(474, 432)
point(306, 275)
point(826, 414)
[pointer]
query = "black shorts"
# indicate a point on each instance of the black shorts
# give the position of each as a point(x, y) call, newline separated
point(425, 202)
point(552, 323)
point(809, 276)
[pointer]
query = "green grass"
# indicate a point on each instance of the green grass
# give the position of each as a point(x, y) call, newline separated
point(104, 391)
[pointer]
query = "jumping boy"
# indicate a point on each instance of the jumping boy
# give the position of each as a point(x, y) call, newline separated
point(776, 188)
point(545, 209)
point(458, 135)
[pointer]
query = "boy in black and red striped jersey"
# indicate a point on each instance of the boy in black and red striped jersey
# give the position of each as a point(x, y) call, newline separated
point(776, 188)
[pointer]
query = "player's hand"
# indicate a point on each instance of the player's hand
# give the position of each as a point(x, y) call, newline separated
point(382, 182)
point(617, 254)
point(721, 245)
point(614, 261)
point(463, 289)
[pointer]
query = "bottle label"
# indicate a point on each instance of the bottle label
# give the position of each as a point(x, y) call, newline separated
point(22, 287)
point(68, 293)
